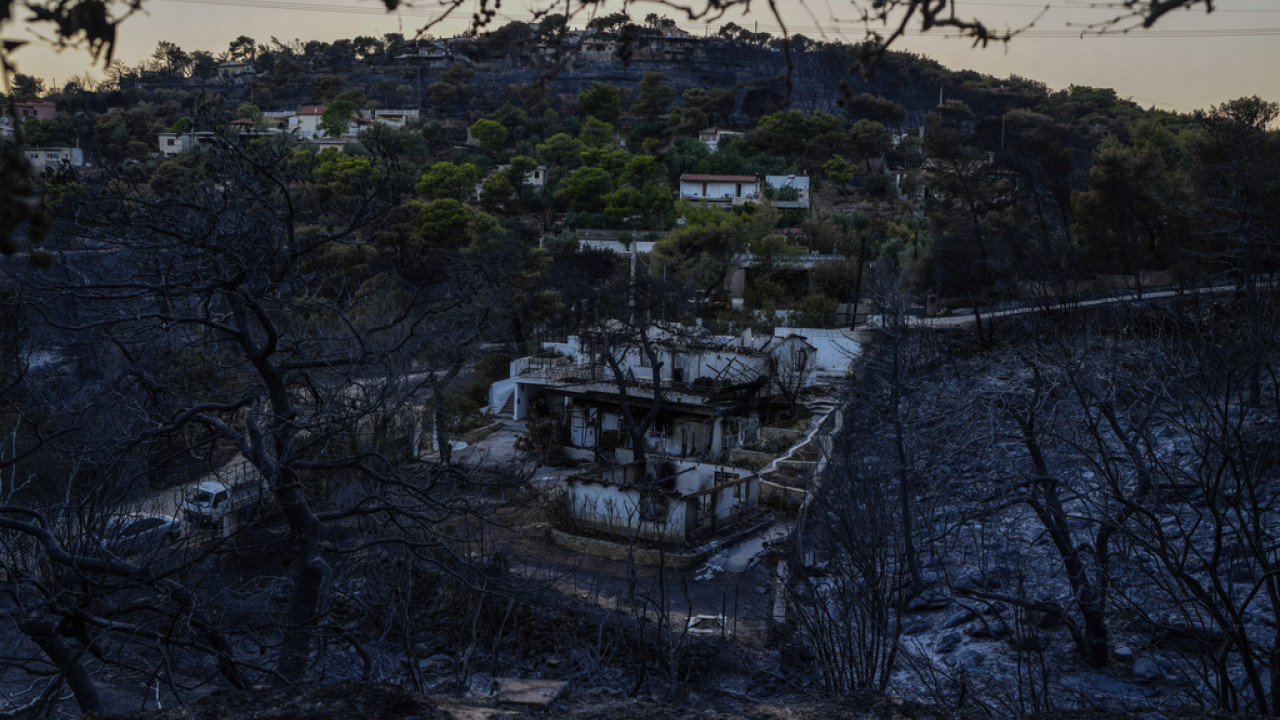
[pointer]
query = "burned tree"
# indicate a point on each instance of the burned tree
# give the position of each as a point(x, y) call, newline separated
point(255, 311)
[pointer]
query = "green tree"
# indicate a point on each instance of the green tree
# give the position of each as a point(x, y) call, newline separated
point(610, 22)
point(447, 224)
point(249, 111)
point(171, 59)
point(1127, 219)
point(368, 48)
point(519, 170)
point(838, 170)
point(652, 97)
point(498, 194)
point(612, 160)
point(705, 106)
point(703, 251)
point(596, 132)
point(346, 173)
point(243, 49)
point(560, 152)
point(203, 64)
point(552, 26)
point(791, 133)
point(1236, 154)
point(585, 189)
point(868, 139)
point(336, 118)
point(965, 260)
point(489, 133)
point(26, 87)
point(879, 109)
point(601, 101)
point(647, 207)
point(642, 170)
point(447, 180)
point(180, 173)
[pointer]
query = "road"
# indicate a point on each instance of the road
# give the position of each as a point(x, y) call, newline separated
point(168, 502)
point(966, 318)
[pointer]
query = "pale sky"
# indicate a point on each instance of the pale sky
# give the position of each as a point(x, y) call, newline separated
point(1189, 60)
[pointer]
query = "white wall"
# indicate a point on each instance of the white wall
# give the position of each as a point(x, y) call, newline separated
point(718, 190)
point(617, 510)
point(836, 347)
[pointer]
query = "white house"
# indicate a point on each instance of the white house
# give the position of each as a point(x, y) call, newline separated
point(597, 48)
point(171, 143)
point(735, 189)
point(306, 122)
point(662, 499)
point(712, 393)
point(432, 54)
point(396, 118)
point(234, 69)
point(54, 158)
point(537, 177)
point(711, 136)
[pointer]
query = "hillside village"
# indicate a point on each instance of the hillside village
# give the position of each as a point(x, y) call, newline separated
point(546, 361)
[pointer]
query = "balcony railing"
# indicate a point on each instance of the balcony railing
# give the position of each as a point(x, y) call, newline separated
point(550, 371)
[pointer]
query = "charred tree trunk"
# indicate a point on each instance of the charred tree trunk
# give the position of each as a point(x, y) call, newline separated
point(1047, 505)
point(44, 634)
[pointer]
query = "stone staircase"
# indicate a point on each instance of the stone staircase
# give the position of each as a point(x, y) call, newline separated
point(508, 409)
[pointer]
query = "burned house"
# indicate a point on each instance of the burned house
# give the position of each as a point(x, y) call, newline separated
point(661, 499)
point(712, 393)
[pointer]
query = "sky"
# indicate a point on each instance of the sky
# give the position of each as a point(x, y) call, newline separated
point(1189, 60)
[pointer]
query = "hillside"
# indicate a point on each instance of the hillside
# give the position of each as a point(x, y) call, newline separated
point(366, 701)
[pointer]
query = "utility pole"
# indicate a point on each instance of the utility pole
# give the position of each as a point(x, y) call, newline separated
point(857, 284)
point(633, 277)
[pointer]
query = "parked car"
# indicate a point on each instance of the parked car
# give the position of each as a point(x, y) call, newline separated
point(140, 534)
point(213, 503)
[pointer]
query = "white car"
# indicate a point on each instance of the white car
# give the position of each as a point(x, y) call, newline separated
point(140, 534)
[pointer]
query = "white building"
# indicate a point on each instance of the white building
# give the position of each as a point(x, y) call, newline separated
point(234, 69)
point(171, 144)
point(715, 391)
point(713, 135)
point(306, 122)
point(537, 177)
point(397, 118)
point(53, 158)
point(735, 189)
point(662, 499)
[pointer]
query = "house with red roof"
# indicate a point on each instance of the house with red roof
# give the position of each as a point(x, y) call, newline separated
point(29, 110)
point(306, 123)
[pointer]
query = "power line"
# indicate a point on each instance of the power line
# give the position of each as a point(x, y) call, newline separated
point(841, 26)
point(1104, 8)
point(311, 7)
